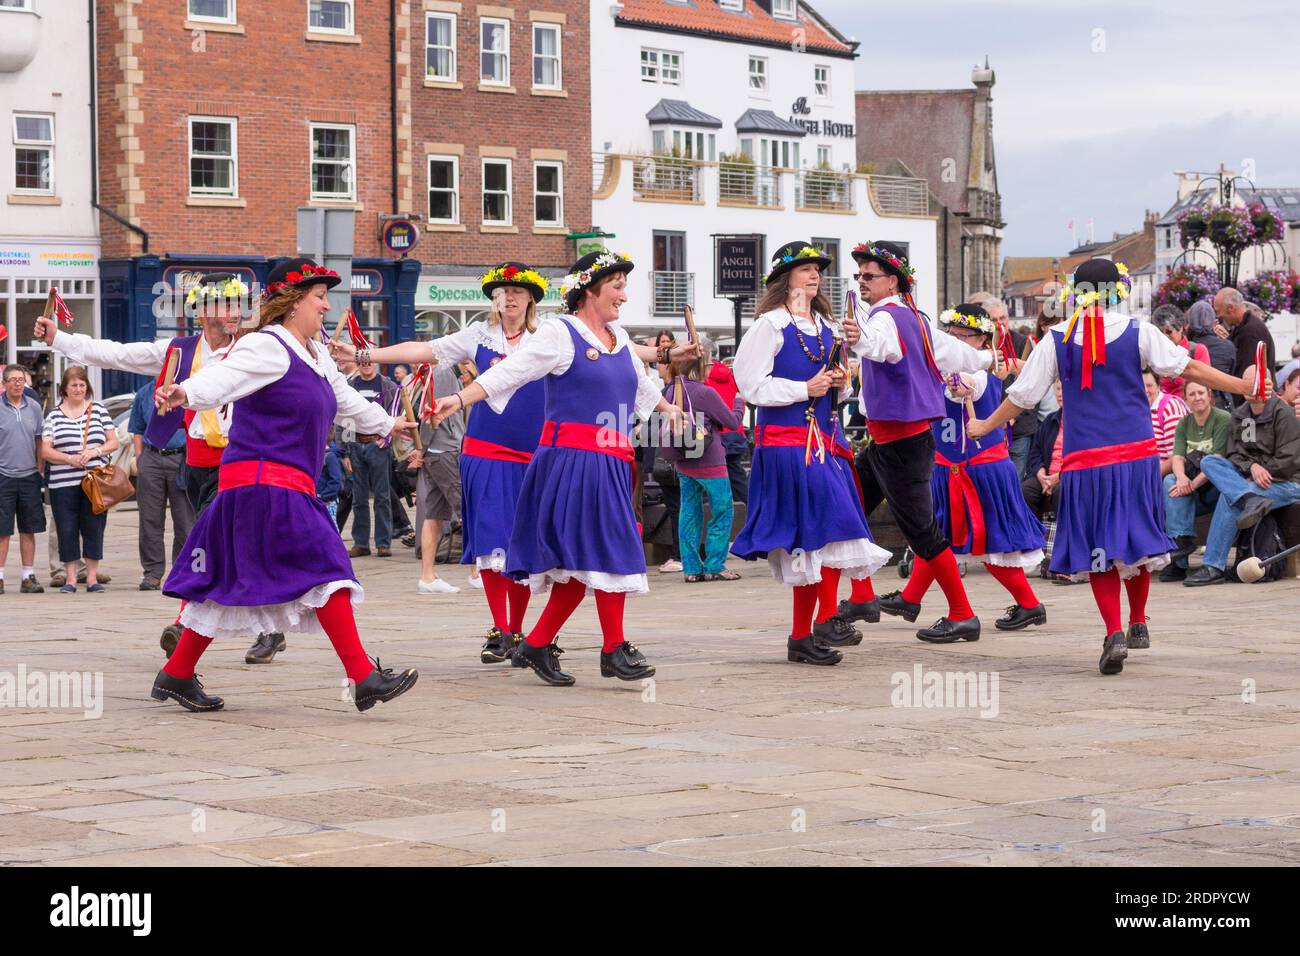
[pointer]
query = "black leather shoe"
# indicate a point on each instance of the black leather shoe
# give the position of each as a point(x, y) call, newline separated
point(868, 611)
point(545, 662)
point(383, 684)
point(894, 603)
point(1253, 507)
point(171, 636)
point(808, 651)
point(1186, 545)
point(497, 647)
point(1173, 573)
point(1204, 575)
point(1113, 652)
point(835, 631)
point(944, 631)
point(186, 691)
point(625, 662)
point(1138, 637)
point(265, 648)
point(1018, 618)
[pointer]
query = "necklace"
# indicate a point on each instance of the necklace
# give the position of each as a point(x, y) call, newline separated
point(512, 338)
point(821, 342)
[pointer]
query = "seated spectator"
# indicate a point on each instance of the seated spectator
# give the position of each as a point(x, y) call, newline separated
point(1285, 372)
point(1166, 412)
point(1171, 320)
point(1260, 472)
point(1289, 390)
point(1188, 492)
point(1042, 482)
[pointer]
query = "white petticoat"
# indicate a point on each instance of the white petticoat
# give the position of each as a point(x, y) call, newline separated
point(857, 557)
point(596, 580)
point(296, 617)
point(1028, 560)
point(1153, 563)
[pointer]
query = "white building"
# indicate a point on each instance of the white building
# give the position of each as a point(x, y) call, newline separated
point(48, 228)
point(732, 117)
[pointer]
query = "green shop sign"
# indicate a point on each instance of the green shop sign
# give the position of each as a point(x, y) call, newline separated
point(445, 293)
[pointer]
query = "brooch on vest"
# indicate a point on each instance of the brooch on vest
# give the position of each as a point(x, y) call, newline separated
point(593, 354)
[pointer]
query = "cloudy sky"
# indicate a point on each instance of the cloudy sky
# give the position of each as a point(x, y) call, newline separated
point(1097, 103)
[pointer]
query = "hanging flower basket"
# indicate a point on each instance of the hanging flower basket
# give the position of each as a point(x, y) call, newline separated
point(1187, 285)
point(1191, 226)
point(1265, 225)
point(1271, 291)
point(1231, 226)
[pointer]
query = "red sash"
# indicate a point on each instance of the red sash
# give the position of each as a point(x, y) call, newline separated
point(597, 438)
point(240, 474)
point(1109, 455)
point(962, 497)
point(478, 448)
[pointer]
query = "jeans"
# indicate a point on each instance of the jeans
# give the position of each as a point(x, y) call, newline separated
point(371, 468)
point(81, 531)
point(1020, 453)
point(1232, 485)
point(691, 516)
point(1181, 513)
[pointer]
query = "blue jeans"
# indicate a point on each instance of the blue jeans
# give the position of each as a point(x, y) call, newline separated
point(1020, 453)
point(691, 516)
point(371, 470)
point(1181, 513)
point(1232, 485)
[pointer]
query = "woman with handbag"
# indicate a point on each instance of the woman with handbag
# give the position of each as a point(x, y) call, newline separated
point(79, 436)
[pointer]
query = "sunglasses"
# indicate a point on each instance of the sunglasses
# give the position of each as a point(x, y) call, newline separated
point(870, 276)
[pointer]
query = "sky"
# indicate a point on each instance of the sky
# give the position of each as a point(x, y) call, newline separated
point(1096, 104)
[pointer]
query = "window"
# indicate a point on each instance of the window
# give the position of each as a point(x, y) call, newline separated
point(330, 16)
point(494, 40)
point(822, 81)
point(661, 66)
point(213, 157)
point(444, 189)
point(34, 153)
point(496, 192)
point(218, 11)
point(332, 162)
point(823, 157)
point(16, 4)
point(548, 194)
point(546, 56)
point(689, 143)
point(758, 74)
point(440, 46)
point(778, 152)
point(783, 9)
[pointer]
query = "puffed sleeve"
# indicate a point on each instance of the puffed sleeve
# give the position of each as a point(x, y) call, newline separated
point(141, 358)
point(1159, 354)
point(879, 341)
point(753, 368)
point(648, 394)
point(1036, 376)
point(254, 362)
point(356, 411)
point(951, 354)
point(460, 346)
point(548, 350)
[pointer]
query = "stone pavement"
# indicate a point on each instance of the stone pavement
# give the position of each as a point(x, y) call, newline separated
point(731, 756)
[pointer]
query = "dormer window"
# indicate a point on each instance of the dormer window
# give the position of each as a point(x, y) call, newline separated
point(737, 5)
point(783, 9)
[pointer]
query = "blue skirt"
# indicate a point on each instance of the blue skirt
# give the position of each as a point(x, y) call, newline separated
point(1009, 525)
point(489, 496)
point(259, 545)
point(575, 513)
point(1108, 514)
point(797, 506)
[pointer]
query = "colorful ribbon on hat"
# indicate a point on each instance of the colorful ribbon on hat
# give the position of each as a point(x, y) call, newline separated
point(1094, 339)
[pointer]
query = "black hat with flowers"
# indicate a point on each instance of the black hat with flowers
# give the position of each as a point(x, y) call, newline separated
point(589, 270)
point(293, 273)
point(891, 257)
point(968, 315)
point(794, 254)
point(515, 274)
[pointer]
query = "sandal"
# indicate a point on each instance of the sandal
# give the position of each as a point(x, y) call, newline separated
point(723, 576)
point(693, 578)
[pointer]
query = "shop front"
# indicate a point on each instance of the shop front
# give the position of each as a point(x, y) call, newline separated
point(446, 302)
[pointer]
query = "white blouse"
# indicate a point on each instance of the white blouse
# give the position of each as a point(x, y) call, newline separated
point(257, 361)
point(880, 341)
point(462, 345)
point(550, 351)
point(757, 355)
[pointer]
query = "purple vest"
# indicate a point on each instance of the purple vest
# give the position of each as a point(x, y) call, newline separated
point(520, 426)
point(1115, 411)
point(162, 427)
point(954, 422)
point(907, 391)
point(793, 363)
point(593, 389)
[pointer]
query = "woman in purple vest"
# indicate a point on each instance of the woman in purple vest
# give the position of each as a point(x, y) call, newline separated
point(265, 556)
point(976, 491)
point(804, 513)
point(498, 445)
point(1110, 523)
point(574, 527)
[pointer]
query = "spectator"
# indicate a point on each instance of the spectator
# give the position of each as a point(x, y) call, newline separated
point(1023, 427)
point(21, 462)
point(78, 435)
point(1166, 412)
point(400, 373)
point(157, 489)
point(1259, 473)
point(1188, 491)
point(1289, 367)
point(1041, 486)
point(1242, 323)
point(331, 479)
point(1201, 324)
point(664, 473)
point(1290, 390)
point(438, 487)
point(733, 440)
point(371, 471)
point(702, 470)
point(1050, 402)
point(1171, 320)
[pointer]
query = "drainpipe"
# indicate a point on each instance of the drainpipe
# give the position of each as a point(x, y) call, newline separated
point(392, 58)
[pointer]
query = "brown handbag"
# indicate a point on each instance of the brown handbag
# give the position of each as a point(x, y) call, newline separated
point(106, 485)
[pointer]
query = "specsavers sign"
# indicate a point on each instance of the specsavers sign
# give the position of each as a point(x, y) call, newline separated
point(454, 291)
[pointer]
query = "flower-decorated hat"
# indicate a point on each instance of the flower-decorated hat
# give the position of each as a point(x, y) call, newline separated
point(514, 274)
point(590, 269)
point(890, 257)
point(968, 316)
point(293, 273)
point(1097, 282)
point(794, 254)
point(216, 287)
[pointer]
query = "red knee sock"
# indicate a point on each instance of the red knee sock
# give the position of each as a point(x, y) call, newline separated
point(805, 604)
point(564, 600)
point(519, 595)
point(609, 608)
point(827, 594)
point(340, 626)
point(944, 566)
point(188, 651)
point(863, 591)
point(495, 590)
point(1137, 587)
point(921, 578)
point(1105, 591)
point(181, 611)
point(1014, 580)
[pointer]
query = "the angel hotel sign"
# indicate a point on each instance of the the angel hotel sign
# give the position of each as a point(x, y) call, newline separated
point(800, 108)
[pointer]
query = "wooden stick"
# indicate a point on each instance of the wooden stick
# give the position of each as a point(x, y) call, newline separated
point(169, 372)
point(688, 314)
point(409, 412)
point(343, 324)
point(49, 304)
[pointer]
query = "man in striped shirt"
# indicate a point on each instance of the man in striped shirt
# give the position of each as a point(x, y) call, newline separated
point(1167, 410)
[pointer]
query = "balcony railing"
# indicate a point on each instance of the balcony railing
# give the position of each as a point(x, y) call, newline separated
point(824, 190)
point(604, 170)
point(665, 178)
point(669, 291)
point(900, 195)
point(748, 185)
